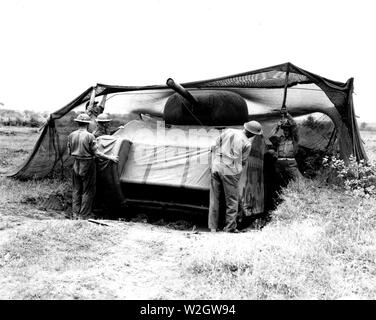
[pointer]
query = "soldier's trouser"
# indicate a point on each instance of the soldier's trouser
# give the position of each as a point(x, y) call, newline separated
point(84, 185)
point(287, 170)
point(229, 184)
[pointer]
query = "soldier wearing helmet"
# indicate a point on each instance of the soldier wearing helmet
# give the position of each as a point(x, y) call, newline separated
point(285, 140)
point(94, 110)
point(82, 146)
point(103, 125)
point(229, 155)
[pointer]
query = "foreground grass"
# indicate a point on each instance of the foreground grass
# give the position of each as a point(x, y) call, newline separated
point(31, 191)
point(321, 244)
point(21, 201)
point(369, 139)
point(15, 145)
point(53, 260)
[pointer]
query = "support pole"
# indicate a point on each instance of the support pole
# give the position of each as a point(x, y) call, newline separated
point(92, 99)
point(103, 102)
point(284, 108)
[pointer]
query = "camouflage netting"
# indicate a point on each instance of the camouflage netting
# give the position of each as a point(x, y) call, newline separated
point(262, 90)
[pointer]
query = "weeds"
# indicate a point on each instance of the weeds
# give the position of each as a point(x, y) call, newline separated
point(33, 192)
point(357, 178)
point(319, 245)
point(30, 260)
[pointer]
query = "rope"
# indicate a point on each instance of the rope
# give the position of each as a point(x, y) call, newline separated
point(198, 120)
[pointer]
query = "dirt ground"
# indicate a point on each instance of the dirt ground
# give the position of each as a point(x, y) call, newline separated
point(142, 262)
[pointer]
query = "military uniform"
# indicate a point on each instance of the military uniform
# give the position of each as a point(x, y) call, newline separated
point(286, 148)
point(93, 112)
point(100, 131)
point(229, 156)
point(82, 146)
point(102, 128)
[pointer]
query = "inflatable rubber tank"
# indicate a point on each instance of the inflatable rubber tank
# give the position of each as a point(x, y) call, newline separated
point(213, 108)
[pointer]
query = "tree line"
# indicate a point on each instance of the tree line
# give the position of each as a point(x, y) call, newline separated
point(26, 118)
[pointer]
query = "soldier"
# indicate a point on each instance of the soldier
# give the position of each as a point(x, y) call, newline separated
point(82, 146)
point(103, 125)
point(230, 154)
point(286, 146)
point(93, 110)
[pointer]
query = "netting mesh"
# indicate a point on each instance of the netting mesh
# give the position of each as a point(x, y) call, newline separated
point(270, 79)
point(263, 91)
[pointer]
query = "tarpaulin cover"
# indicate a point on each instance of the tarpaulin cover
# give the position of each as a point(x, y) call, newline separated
point(178, 156)
point(263, 91)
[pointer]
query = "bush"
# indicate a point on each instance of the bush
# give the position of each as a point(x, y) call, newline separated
point(310, 160)
point(357, 178)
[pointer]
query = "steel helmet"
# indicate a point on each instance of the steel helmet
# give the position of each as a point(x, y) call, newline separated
point(253, 127)
point(83, 117)
point(103, 117)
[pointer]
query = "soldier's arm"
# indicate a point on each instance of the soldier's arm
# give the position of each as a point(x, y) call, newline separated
point(99, 154)
point(216, 145)
point(274, 130)
point(291, 119)
point(103, 101)
point(294, 127)
point(245, 153)
point(69, 145)
point(275, 141)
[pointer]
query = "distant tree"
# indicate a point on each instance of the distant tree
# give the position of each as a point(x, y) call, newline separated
point(310, 122)
point(363, 126)
point(45, 114)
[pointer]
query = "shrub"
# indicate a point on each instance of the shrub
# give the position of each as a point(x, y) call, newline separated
point(357, 177)
point(310, 160)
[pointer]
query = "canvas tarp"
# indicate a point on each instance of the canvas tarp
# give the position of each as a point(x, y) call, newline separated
point(178, 156)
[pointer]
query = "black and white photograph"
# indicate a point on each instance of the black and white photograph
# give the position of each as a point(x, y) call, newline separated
point(202, 153)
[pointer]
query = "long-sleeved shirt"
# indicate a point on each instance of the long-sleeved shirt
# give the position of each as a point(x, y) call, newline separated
point(101, 131)
point(287, 147)
point(231, 151)
point(82, 144)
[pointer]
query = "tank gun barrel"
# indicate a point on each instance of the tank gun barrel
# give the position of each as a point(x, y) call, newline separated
point(182, 91)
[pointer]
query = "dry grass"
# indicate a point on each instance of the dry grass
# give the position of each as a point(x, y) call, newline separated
point(369, 139)
point(15, 145)
point(42, 261)
point(321, 244)
point(22, 200)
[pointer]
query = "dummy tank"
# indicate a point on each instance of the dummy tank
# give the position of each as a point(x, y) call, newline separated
point(264, 90)
point(179, 181)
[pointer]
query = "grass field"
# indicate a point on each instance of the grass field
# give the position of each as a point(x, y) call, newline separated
point(320, 244)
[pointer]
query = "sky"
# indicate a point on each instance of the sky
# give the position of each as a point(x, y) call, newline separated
point(51, 51)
